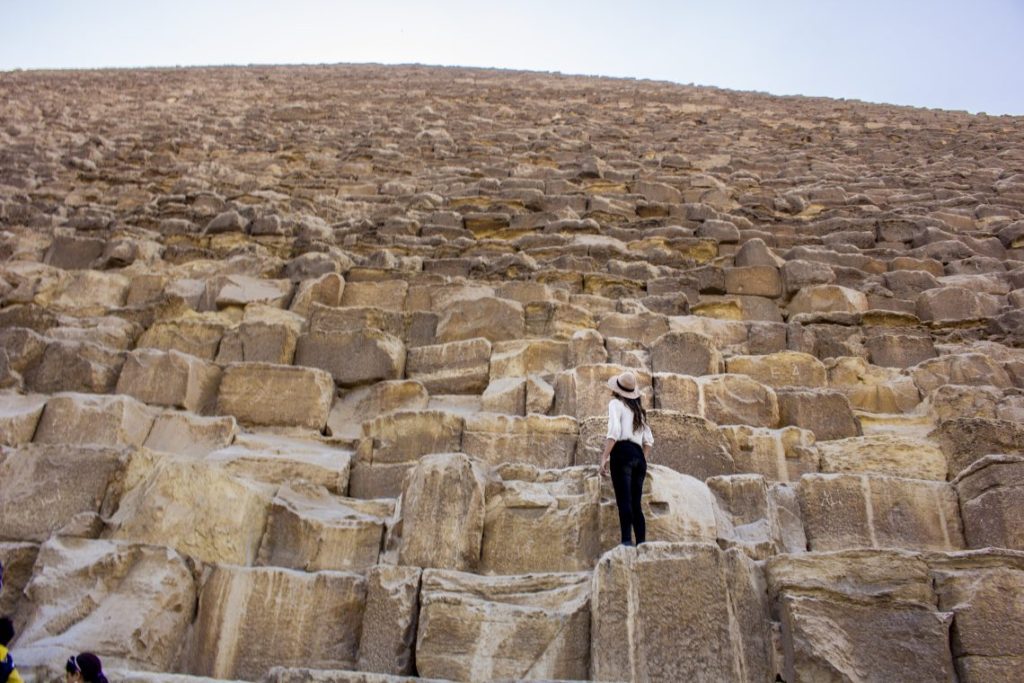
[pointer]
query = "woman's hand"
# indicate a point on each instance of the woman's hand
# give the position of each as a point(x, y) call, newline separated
point(604, 467)
point(606, 455)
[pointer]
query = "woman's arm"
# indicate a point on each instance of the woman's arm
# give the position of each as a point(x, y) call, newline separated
point(608, 444)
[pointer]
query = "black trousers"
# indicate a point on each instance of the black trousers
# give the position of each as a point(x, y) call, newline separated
point(628, 469)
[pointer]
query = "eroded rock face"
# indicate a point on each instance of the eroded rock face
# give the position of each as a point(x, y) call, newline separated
point(990, 493)
point(235, 635)
point(535, 626)
point(670, 612)
point(128, 603)
point(265, 394)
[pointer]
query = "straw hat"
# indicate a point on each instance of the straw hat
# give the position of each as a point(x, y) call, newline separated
point(624, 385)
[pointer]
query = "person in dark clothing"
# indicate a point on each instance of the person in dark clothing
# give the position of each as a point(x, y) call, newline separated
point(626, 452)
point(8, 673)
point(84, 668)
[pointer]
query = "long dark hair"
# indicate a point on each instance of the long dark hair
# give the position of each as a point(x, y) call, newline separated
point(637, 408)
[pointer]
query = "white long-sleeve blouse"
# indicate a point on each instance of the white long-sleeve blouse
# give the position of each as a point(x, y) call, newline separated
point(620, 425)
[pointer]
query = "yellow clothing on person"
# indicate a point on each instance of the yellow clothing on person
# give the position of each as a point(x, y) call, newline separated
point(15, 677)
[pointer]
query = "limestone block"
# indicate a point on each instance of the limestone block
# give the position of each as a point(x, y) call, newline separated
point(75, 366)
point(540, 395)
point(776, 370)
point(494, 319)
point(242, 290)
point(991, 495)
point(361, 356)
point(89, 419)
point(506, 395)
point(759, 519)
point(724, 334)
point(389, 620)
point(236, 635)
point(754, 252)
point(24, 347)
point(973, 369)
point(19, 416)
point(197, 336)
point(628, 353)
point(676, 612)
point(278, 460)
point(586, 347)
point(754, 280)
point(311, 530)
point(539, 440)
point(738, 399)
point(859, 615)
point(194, 507)
point(778, 454)
point(387, 294)
point(544, 357)
point(226, 221)
point(559, 506)
point(890, 454)
point(442, 513)
point(329, 320)
point(365, 403)
point(984, 592)
point(680, 393)
point(258, 342)
point(640, 327)
point(825, 412)
point(90, 292)
point(828, 299)
point(871, 388)
point(169, 378)
point(685, 353)
point(874, 511)
point(688, 444)
point(798, 274)
point(461, 367)
point(482, 628)
point(280, 674)
point(46, 487)
point(282, 395)
point(967, 439)
point(954, 305)
point(186, 434)
point(18, 560)
point(950, 401)
point(894, 350)
point(326, 290)
point(130, 604)
point(583, 391)
point(557, 320)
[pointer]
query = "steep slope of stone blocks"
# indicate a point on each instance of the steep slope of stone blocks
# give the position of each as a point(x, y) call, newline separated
point(302, 378)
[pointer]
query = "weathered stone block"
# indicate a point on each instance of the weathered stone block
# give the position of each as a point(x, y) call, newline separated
point(442, 511)
point(738, 399)
point(278, 460)
point(674, 612)
point(390, 619)
point(19, 416)
point(461, 367)
point(547, 442)
point(494, 319)
point(825, 412)
point(685, 353)
point(535, 626)
point(281, 395)
point(843, 511)
point(783, 369)
point(358, 357)
point(965, 440)
point(99, 420)
point(186, 434)
point(169, 378)
point(75, 366)
point(891, 454)
point(991, 493)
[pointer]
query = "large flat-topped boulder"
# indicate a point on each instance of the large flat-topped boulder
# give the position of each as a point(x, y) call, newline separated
point(169, 378)
point(891, 454)
point(184, 433)
point(871, 388)
point(354, 357)
point(459, 367)
point(535, 626)
point(547, 442)
point(128, 603)
point(278, 460)
point(827, 299)
point(194, 507)
point(783, 369)
point(965, 440)
point(544, 357)
point(971, 369)
point(96, 420)
point(843, 511)
point(310, 529)
point(685, 353)
point(19, 416)
point(48, 488)
point(494, 319)
point(196, 335)
point(235, 636)
point(825, 412)
point(75, 366)
point(778, 454)
point(739, 399)
point(859, 614)
point(276, 395)
point(669, 612)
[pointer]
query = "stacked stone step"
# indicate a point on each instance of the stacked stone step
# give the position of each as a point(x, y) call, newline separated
point(304, 378)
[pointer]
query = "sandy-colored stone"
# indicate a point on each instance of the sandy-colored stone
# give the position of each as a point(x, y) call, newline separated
point(278, 460)
point(974, 369)
point(672, 612)
point(194, 507)
point(778, 454)
point(130, 604)
point(872, 388)
point(460, 367)
point(759, 519)
point(186, 434)
point(169, 378)
point(547, 442)
point(685, 353)
point(19, 416)
point(99, 420)
point(965, 440)
point(825, 412)
point(442, 513)
point(389, 622)
point(843, 511)
point(311, 530)
point(897, 456)
point(680, 393)
point(365, 403)
point(235, 635)
point(991, 493)
point(494, 319)
point(783, 369)
point(281, 395)
point(738, 399)
point(355, 357)
point(828, 299)
point(477, 628)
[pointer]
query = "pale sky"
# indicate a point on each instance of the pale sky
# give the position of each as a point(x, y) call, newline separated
point(966, 54)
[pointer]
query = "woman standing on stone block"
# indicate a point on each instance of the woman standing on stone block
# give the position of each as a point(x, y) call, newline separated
point(627, 445)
